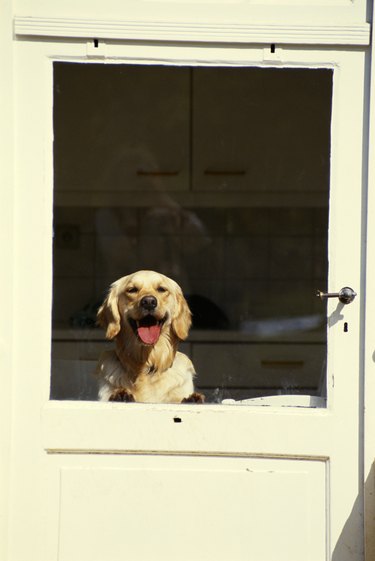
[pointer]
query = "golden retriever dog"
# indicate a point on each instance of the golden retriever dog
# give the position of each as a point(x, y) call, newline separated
point(147, 315)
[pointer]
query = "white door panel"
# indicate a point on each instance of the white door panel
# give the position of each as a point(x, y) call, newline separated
point(217, 510)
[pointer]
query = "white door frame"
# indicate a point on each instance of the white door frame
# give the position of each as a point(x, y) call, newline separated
point(7, 269)
point(369, 326)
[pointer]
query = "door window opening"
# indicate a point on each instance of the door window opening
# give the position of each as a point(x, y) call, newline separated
point(217, 177)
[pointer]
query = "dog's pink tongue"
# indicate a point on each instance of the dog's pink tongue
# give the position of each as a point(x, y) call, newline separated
point(150, 334)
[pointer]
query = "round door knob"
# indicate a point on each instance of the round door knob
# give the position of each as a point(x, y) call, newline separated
point(346, 295)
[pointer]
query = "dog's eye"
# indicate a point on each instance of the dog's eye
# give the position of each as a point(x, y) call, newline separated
point(162, 289)
point(132, 290)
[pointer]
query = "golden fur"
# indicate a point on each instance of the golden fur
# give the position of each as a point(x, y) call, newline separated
point(147, 315)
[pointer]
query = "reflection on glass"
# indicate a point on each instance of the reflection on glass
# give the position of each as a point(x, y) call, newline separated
point(216, 177)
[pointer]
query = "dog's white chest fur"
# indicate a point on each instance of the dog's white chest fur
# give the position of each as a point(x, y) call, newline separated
point(170, 386)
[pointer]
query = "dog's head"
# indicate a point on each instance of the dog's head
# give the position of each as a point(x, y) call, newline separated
point(145, 304)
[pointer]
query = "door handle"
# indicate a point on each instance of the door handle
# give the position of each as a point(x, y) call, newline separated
point(346, 295)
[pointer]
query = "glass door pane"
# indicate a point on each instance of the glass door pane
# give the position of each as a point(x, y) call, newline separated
point(217, 177)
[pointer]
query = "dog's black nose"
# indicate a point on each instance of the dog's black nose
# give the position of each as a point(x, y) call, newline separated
point(149, 303)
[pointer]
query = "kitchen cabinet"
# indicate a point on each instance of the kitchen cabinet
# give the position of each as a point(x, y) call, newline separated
point(131, 129)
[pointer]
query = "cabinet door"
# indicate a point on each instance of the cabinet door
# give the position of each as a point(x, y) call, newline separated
point(138, 138)
point(247, 147)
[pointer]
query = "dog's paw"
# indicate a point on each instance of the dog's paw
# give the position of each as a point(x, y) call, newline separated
point(121, 395)
point(194, 398)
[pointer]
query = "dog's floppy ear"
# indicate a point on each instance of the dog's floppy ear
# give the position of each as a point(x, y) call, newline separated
point(181, 323)
point(108, 314)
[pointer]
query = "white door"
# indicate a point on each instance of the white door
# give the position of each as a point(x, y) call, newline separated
point(275, 477)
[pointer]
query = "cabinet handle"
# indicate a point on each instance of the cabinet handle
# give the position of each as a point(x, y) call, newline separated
point(224, 172)
point(289, 364)
point(156, 173)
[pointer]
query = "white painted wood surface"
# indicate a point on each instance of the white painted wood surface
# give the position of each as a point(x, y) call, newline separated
point(6, 269)
point(222, 508)
point(279, 33)
point(369, 330)
point(288, 480)
point(53, 435)
point(211, 12)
